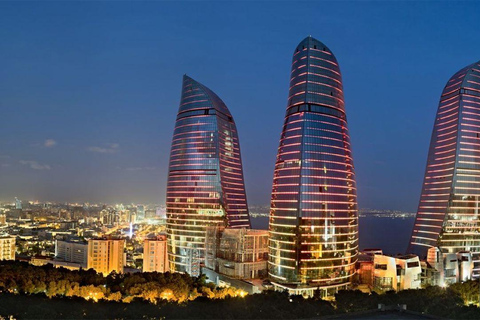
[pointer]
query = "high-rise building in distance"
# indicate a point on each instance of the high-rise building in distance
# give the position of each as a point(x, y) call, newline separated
point(140, 212)
point(18, 204)
point(448, 215)
point(205, 180)
point(314, 218)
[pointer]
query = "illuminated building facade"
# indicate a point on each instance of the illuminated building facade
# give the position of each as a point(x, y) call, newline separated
point(314, 219)
point(448, 213)
point(205, 179)
point(396, 273)
point(18, 204)
point(106, 255)
point(237, 253)
point(140, 212)
point(71, 251)
point(7, 248)
point(155, 257)
point(444, 269)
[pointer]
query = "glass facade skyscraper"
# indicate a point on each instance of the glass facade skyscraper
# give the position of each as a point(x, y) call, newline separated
point(314, 218)
point(205, 180)
point(448, 213)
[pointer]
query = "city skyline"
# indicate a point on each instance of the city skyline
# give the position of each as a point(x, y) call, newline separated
point(150, 167)
point(84, 118)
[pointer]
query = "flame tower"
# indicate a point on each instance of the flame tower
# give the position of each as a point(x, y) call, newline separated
point(205, 179)
point(314, 219)
point(448, 213)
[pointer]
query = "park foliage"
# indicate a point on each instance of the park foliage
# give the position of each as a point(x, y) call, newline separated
point(60, 293)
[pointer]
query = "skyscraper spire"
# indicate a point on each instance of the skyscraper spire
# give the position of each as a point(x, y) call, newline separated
point(314, 219)
point(205, 179)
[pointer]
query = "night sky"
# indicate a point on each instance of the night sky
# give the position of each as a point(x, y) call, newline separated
point(89, 90)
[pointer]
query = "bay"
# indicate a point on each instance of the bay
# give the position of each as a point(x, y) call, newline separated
point(389, 234)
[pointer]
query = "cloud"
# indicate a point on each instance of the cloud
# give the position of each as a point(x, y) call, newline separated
point(139, 168)
point(50, 143)
point(111, 148)
point(35, 165)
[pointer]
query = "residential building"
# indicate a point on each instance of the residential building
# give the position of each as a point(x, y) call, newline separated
point(72, 251)
point(155, 257)
point(106, 255)
point(7, 248)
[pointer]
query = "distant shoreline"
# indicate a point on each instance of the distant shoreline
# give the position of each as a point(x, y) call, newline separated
point(393, 215)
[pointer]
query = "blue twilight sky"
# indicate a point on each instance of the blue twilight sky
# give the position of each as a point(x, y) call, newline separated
point(89, 90)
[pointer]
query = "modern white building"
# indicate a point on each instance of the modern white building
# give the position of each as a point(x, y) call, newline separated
point(396, 273)
point(444, 269)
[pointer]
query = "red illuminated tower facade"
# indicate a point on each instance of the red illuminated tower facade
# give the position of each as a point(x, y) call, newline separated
point(448, 215)
point(205, 179)
point(313, 224)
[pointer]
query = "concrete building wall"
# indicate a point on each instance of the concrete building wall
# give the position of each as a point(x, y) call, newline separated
point(7, 248)
point(155, 257)
point(106, 255)
point(76, 252)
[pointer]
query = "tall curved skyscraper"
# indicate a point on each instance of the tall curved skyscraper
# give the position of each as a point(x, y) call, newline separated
point(205, 178)
point(314, 218)
point(448, 213)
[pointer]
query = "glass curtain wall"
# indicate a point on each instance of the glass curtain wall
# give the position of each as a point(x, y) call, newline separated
point(205, 180)
point(448, 213)
point(314, 219)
